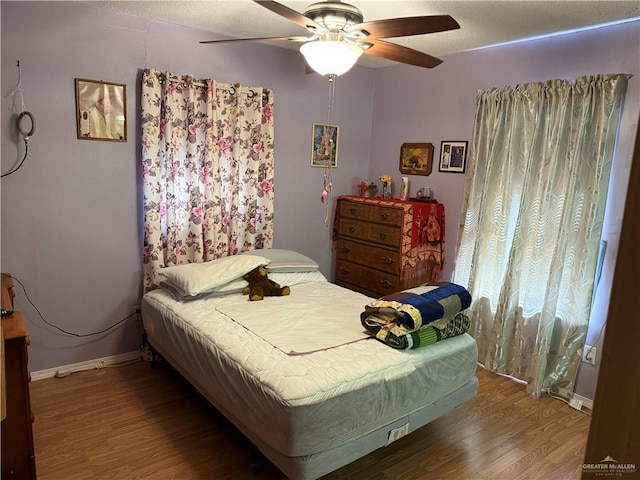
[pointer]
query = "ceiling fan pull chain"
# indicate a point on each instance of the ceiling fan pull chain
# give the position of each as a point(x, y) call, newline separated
point(332, 91)
point(327, 186)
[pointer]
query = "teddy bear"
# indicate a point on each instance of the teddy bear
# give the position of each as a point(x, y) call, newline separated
point(260, 286)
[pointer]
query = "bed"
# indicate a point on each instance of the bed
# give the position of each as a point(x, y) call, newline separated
point(298, 374)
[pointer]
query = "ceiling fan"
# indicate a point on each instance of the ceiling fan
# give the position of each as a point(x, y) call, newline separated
point(339, 35)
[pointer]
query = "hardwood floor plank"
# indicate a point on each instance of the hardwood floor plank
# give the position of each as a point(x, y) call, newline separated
point(137, 422)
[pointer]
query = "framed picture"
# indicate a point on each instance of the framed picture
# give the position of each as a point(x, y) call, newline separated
point(453, 157)
point(324, 145)
point(101, 110)
point(416, 158)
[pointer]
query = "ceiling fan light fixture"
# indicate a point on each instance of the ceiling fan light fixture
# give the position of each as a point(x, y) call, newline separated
point(328, 57)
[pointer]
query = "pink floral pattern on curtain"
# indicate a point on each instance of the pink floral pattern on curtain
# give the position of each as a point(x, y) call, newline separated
point(207, 170)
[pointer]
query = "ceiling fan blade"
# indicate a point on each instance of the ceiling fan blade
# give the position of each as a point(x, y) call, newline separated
point(398, 53)
point(404, 27)
point(290, 14)
point(257, 39)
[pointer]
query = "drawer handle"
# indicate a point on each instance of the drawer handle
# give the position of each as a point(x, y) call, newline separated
point(346, 249)
point(386, 284)
point(383, 236)
point(352, 211)
point(345, 271)
point(387, 260)
point(352, 229)
point(384, 215)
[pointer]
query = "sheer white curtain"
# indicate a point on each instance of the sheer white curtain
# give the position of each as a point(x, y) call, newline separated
point(532, 214)
point(207, 170)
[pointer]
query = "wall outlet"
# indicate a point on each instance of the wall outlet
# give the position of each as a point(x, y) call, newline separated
point(590, 354)
point(398, 433)
point(575, 403)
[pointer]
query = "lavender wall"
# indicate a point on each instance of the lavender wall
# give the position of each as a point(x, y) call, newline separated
point(70, 215)
point(413, 105)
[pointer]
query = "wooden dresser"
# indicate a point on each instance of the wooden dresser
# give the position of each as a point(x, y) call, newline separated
point(386, 245)
point(18, 454)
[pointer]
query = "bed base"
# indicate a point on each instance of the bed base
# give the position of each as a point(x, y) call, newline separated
point(148, 351)
point(311, 467)
point(314, 466)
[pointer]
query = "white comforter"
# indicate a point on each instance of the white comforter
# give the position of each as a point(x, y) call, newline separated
point(312, 318)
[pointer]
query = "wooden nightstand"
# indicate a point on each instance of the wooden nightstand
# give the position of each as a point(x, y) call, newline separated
point(18, 454)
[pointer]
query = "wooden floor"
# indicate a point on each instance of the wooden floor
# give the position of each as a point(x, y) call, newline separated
point(135, 422)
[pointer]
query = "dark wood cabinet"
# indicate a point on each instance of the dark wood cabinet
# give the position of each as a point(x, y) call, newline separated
point(386, 245)
point(18, 454)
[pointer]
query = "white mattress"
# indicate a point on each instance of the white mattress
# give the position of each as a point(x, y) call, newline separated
point(307, 403)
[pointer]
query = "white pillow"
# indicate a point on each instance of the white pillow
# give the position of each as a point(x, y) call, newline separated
point(282, 260)
point(289, 279)
point(195, 278)
point(233, 287)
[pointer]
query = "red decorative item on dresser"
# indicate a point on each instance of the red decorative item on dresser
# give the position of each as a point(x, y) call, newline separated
point(386, 245)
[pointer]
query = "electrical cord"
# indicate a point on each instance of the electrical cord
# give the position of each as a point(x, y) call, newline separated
point(26, 149)
point(557, 397)
point(98, 366)
point(59, 328)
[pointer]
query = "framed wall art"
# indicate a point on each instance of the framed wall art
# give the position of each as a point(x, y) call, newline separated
point(324, 145)
point(101, 110)
point(453, 157)
point(416, 158)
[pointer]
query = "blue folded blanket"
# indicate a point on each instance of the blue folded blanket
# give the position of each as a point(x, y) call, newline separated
point(401, 313)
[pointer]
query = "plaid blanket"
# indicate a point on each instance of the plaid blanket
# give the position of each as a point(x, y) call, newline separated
point(418, 316)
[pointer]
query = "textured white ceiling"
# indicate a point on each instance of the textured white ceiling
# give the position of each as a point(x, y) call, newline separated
point(482, 23)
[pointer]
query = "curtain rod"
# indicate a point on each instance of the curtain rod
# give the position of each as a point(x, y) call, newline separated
point(220, 86)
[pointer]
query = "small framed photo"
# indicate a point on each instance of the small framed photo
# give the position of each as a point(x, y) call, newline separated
point(416, 158)
point(101, 110)
point(324, 145)
point(453, 157)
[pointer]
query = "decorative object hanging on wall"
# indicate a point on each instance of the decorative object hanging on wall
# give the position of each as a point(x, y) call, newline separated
point(101, 110)
point(324, 145)
point(416, 158)
point(453, 157)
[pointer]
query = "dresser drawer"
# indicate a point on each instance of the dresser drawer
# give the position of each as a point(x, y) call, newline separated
point(371, 213)
point(385, 235)
point(370, 232)
point(366, 278)
point(372, 257)
point(353, 228)
point(386, 215)
point(354, 210)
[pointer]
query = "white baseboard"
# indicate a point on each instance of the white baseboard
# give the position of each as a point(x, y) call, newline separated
point(65, 370)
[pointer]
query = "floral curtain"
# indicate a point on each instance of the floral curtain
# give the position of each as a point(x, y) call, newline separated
point(533, 208)
point(207, 170)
